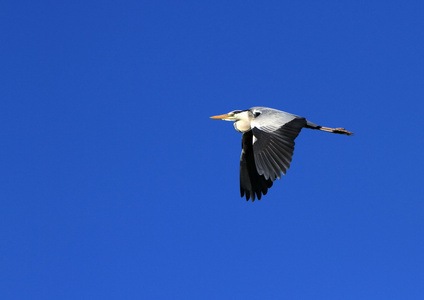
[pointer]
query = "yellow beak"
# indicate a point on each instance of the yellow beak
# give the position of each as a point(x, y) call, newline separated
point(222, 117)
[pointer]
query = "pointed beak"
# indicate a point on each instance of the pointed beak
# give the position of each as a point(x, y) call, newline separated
point(221, 117)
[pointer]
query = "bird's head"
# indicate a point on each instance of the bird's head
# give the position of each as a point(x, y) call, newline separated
point(241, 118)
point(234, 115)
point(237, 115)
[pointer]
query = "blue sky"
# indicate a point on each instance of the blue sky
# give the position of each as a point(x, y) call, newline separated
point(117, 185)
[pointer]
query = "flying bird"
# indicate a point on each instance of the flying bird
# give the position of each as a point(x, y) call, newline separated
point(267, 145)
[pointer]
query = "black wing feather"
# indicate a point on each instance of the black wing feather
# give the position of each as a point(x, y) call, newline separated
point(251, 183)
point(273, 150)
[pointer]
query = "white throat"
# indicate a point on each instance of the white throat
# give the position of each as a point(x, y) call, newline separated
point(243, 122)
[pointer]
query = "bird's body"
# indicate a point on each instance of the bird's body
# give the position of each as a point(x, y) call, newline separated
point(267, 145)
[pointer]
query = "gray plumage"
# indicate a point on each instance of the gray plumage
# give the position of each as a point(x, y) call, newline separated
point(267, 145)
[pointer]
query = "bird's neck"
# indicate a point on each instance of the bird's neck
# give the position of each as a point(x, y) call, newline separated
point(242, 125)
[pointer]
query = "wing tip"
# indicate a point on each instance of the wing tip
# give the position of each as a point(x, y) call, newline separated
point(254, 195)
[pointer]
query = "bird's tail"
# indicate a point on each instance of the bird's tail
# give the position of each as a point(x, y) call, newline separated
point(328, 129)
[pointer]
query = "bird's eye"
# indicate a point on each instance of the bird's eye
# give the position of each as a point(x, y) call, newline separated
point(256, 114)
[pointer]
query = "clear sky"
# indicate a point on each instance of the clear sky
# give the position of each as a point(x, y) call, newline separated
point(115, 184)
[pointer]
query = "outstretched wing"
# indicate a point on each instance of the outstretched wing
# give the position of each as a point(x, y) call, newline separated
point(273, 147)
point(251, 182)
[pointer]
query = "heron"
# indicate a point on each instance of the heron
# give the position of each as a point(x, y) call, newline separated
point(267, 145)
